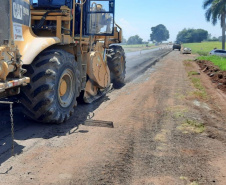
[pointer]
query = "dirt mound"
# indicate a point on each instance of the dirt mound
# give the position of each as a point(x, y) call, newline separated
point(217, 76)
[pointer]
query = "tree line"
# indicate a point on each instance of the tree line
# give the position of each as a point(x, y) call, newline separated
point(158, 35)
point(192, 35)
point(215, 11)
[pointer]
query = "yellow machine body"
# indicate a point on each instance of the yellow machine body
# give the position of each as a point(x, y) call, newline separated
point(36, 29)
point(11, 72)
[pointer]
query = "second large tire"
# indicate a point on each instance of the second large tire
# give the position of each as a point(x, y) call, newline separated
point(117, 64)
point(51, 95)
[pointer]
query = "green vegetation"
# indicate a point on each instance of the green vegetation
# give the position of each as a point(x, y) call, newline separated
point(183, 178)
point(188, 63)
point(215, 10)
point(159, 33)
point(199, 94)
point(201, 91)
point(216, 60)
point(194, 183)
point(196, 82)
point(203, 48)
point(177, 111)
point(192, 126)
point(135, 40)
point(187, 180)
point(191, 73)
point(192, 35)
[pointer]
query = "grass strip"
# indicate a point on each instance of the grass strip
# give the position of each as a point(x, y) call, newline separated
point(216, 60)
point(203, 48)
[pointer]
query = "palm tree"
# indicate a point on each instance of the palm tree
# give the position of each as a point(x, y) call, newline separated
point(216, 10)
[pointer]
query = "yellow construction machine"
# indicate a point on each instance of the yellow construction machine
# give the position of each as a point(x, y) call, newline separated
point(53, 51)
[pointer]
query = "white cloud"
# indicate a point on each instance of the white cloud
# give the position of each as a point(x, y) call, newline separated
point(127, 28)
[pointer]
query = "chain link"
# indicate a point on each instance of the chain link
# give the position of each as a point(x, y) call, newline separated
point(12, 123)
point(12, 127)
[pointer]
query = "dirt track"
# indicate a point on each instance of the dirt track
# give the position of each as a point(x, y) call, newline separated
point(147, 145)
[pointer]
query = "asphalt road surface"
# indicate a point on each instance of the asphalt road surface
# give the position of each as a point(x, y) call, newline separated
point(138, 62)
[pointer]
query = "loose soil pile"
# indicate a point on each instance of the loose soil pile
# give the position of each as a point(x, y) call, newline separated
point(217, 76)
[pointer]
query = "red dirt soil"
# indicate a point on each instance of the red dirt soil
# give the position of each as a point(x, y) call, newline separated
point(217, 76)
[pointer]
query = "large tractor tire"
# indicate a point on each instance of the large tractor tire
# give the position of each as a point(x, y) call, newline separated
point(117, 65)
point(51, 95)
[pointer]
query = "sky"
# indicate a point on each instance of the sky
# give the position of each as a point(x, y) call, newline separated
point(136, 17)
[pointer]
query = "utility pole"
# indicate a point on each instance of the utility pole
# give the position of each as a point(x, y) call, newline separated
point(223, 27)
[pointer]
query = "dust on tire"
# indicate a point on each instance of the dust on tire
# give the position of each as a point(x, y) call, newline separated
point(40, 98)
point(117, 65)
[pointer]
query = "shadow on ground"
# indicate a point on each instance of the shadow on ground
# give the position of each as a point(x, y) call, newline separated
point(27, 129)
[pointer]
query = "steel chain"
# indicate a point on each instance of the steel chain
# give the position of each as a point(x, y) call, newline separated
point(12, 127)
point(12, 123)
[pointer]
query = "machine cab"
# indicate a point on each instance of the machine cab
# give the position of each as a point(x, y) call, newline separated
point(100, 17)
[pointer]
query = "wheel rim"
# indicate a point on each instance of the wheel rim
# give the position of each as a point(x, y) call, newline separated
point(65, 88)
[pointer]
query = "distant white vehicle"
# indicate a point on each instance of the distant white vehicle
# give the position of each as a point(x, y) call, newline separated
point(186, 51)
point(218, 52)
